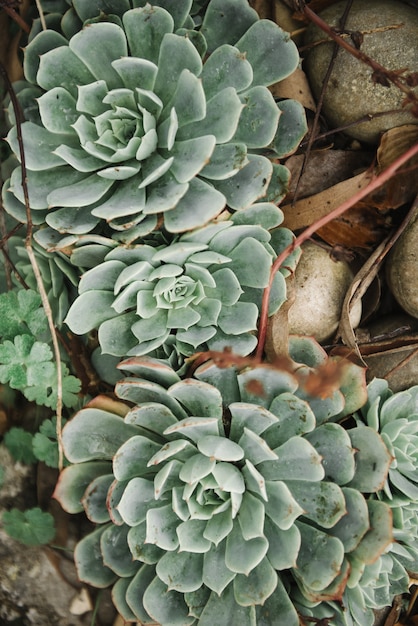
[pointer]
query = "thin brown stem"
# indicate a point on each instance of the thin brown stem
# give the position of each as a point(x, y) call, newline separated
point(17, 18)
point(28, 245)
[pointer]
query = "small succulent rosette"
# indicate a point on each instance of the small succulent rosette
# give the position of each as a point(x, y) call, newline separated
point(164, 125)
point(216, 498)
point(203, 291)
point(395, 417)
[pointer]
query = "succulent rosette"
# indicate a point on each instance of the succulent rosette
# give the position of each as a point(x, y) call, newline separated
point(215, 496)
point(163, 125)
point(203, 291)
point(395, 417)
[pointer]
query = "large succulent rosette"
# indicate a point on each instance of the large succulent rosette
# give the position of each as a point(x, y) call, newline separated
point(203, 291)
point(215, 496)
point(145, 121)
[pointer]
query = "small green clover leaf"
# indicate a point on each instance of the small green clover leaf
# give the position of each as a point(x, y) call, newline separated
point(32, 527)
point(19, 443)
point(44, 443)
point(24, 361)
point(21, 311)
point(45, 390)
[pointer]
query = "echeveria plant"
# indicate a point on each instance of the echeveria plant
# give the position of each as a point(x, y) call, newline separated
point(165, 124)
point(228, 496)
point(199, 292)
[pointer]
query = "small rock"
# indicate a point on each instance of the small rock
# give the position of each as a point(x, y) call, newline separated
point(320, 287)
point(402, 269)
point(390, 33)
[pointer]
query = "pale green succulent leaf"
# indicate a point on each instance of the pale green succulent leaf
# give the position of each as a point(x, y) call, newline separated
point(152, 416)
point(89, 561)
point(58, 112)
point(200, 204)
point(114, 495)
point(101, 277)
point(266, 214)
point(284, 545)
point(77, 158)
point(278, 293)
point(166, 607)
point(281, 507)
point(83, 193)
point(60, 67)
point(118, 594)
point(162, 523)
point(257, 586)
point(320, 558)
point(322, 502)
point(132, 457)
point(405, 486)
point(136, 500)
point(115, 551)
point(95, 434)
point(126, 199)
point(139, 549)
point(278, 603)
point(135, 593)
point(179, 449)
point(226, 286)
point(121, 172)
point(220, 448)
point(43, 42)
point(291, 129)
point(249, 184)
point(226, 22)
point(351, 528)
point(251, 517)
point(380, 534)
point(372, 459)
point(151, 328)
point(181, 571)
point(277, 189)
point(89, 310)
point(229, 478)
point(167, 478)
point(332, 442)
point(199, 398)
point(261, 385)
point(115, 335)
point(255, 448)
point(217, 529)
point(176, 54)
point(324, 408)
point(188, 102)
point(242, 556)
point(191, 538)
point(260, 116)
point(94, 499)
point(216, 122)
point(77, 222)
point(270, 50)
point(135, 71)
point(145, 29)
point(87, 45)
point(195, 427)
point(244, 415)
point(238, 318)
point(297, 460)
point(215, 574)
point(195, 468)
point(209, 310)
point(194, 337)
point(182, 318)
point(39, 143)
point(255, 274)
point(226, 67)
point(225, 161)
point(90, 98)
point(73, 482)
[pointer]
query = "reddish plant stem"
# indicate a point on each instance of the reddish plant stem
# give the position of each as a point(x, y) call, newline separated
point(377, 182)
point(17, 18)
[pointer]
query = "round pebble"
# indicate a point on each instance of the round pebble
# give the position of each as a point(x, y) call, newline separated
point(390, 34)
